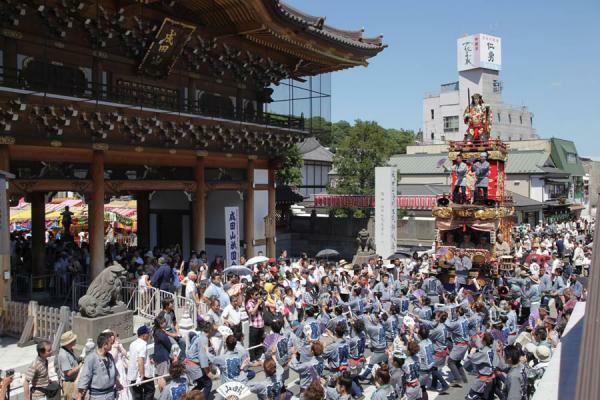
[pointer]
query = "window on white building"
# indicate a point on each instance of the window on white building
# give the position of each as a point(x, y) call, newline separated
point(432, 113)
point(509, 119)
point(531, 120)
point(498, 117)
point(521, 119)
point(451, 124)
point(432, 136)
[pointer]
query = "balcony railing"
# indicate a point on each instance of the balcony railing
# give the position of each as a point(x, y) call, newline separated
point(70, 81)
point(478, 145)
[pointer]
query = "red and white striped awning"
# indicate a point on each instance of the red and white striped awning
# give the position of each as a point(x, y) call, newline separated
point(355, 201)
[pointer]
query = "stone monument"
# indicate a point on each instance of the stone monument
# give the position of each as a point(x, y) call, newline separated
point(366, 247)
point(386, 217)
point(102, 307)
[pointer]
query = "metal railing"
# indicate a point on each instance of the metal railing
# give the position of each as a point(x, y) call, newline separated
point(54, 289)
point(148, 303)
point(71, 82)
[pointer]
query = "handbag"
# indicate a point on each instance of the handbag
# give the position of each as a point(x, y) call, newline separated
point(49, 391)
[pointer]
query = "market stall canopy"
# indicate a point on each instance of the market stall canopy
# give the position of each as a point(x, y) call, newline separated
point(122, 214)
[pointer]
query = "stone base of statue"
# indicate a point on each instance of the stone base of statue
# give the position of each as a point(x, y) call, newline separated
point(121, 323)
point(362, 257)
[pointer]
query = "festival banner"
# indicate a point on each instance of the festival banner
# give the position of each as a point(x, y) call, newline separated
point(232, 236)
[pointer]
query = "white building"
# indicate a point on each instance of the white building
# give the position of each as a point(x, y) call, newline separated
point(478, 63)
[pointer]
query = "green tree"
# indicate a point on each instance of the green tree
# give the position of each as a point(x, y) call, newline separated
point(339, 130)
point(290, 172)
point(321, 129)
point(366, 146)
point(399, 139)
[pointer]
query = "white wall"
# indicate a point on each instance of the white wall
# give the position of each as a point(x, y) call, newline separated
point(537, 191)
point(518, 184)
point(431, 125)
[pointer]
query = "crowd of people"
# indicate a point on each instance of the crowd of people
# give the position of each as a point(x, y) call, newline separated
point(325, 330)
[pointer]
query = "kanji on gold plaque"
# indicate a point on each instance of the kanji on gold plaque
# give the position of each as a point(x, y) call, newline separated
point(166, 48)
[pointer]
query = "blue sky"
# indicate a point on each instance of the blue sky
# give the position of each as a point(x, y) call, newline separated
point(550, 57)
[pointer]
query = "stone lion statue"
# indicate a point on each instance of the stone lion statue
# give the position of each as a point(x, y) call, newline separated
point(104, 293)
point(364, 241)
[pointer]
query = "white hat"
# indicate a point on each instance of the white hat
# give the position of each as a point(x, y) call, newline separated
point(542, 353)
point(225, 331)
point(408, 321)
point(531, 348)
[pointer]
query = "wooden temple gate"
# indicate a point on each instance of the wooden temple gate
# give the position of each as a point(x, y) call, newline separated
point(107, 98)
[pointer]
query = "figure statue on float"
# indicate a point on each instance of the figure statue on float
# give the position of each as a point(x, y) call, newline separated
point(478, 118)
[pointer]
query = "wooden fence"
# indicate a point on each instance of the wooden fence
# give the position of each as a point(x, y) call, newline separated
point(31, 322)
point(14, 318)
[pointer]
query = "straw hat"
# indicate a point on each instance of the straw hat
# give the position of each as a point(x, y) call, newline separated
point(67, 338)
point(535, 278)
point(346, 265)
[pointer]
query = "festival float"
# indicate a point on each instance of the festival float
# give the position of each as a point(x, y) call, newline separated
point(469, 219)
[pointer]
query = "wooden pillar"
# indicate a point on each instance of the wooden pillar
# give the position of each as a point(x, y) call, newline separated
point(5, 256)
point(143, 219)
point(198, 229)
point(38, 233)
point(96, 214)
point(271, 215)
point(249, 208)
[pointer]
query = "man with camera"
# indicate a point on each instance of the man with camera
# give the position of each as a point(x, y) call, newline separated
point(5, 383)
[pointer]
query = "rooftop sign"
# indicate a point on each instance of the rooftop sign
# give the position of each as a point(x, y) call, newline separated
point(479, 51)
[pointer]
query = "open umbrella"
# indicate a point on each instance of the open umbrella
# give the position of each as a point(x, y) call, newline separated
point(256, 260)
point(237, 270)
point(327, 253)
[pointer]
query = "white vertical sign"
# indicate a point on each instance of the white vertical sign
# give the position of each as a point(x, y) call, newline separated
point(490, 52)
point(232, 236)
point(467, 52)
point(385, 211)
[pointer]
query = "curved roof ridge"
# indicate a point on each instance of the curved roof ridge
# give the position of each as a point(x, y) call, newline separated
point(317, 25)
